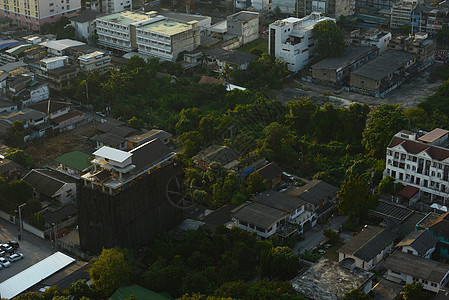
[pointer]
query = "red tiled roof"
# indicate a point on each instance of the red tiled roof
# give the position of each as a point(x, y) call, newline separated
point(441, 225)
point(395, 141)
point(415, 147)
point(433, 135)
point(408, 192)
point(209, 80)
point(70, 115)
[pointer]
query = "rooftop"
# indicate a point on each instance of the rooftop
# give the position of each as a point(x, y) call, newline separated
point(53, 59)
point(279, 201)
point(59, 214)
point(270, 171)
point(427, 221)
point(420, 240)
point(63, 44)
point(306, 23)
point(49, 106)
point(7, 165)
point(415, 147)
point(351, 54)
point(95, 54)
point(258, 214)
point(148, 136)
point(434, 135)
point(441, 225)
point(166, 27)
point(326, 280)
point(125, 17)
point(85, 15)
point(369, 242)
point(24, 115)
point(76, 160)
point(215, 153)
point(408, 192)
point(416, 266)
point(314, 191)
point(237, 57)
point(243, 16)
point(383, 65)
point(109, 139)
point(112, 154)
point(44, 183)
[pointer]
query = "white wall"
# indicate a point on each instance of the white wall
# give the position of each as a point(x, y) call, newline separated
point(67, 193)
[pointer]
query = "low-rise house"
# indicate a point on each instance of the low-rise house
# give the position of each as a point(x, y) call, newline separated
point(328, 279)
point(244, 24)
point(68, 121)
point(419, 45)
point(52, 185)
point(7, 106)
point(19, 82)
point(271, 174)
point(8, 168)
point(383, 74)
point(405, 267)
point(336, 70)
point(51, 108)
point(235, 59)
point(28, 116)
point(320, 197)
point(84, 23)
point(3, 76)
point(74, 163)
point(114, 137)
point(369, 247)
point(61, 217)
point(139, 139)
point(59, 47)
point(420, 243)
point(57, 70)
point(98, 60)
point(224, 155)
point(439, 227)
point(372, 37)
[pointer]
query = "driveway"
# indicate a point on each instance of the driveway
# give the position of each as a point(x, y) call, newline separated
point(33, 248)
point(315, 236)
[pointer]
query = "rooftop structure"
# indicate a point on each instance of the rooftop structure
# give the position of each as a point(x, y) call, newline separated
point(139, 139)
point(420, 241)
point(224, 155)
point(57, 47)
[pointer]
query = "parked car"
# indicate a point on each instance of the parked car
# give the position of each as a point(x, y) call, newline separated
point(2, 253)
point(7, 248)
point(4, 262)
point(13, 244)
point(15, 257)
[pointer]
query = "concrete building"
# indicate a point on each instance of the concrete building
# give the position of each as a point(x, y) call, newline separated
point(32, 14)
point(244, 24)
point(291, 40)
point(420, 161)
point(372, 37)
point(419, 44)
point(98, 60)
point(333, 8)
point(373, 7)
point(109, 6)
point(336, 70)
point(369, 247)
point(382, 74)
point(84, 23)
point(405, 12)
point(59, 47)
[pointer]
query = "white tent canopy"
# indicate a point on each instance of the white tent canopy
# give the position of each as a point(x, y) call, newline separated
point(439, 207)
point(34, 274)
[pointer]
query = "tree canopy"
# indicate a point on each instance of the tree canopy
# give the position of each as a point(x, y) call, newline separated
point(329, 40)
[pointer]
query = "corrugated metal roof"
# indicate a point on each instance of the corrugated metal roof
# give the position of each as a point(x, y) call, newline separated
point(113, 154)
point(34, 274)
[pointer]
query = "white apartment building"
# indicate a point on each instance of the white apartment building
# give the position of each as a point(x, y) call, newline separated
point(32, 14)
point(244, 24)
point(422, 161)
point(98, 60)
point(109, 6)
point(401, 13)
point(149, 33)
point(165, 39)
point(372, 37)
point(291, 40)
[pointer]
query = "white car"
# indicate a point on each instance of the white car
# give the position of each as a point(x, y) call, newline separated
point(15, 257)
point(4, 262)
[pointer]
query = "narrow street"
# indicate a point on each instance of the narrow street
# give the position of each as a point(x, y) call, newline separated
point(315, 236)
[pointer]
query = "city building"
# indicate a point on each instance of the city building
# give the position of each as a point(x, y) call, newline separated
point(109, 6)
point(35, 13)
point(98, 60)
point(406, 12)
point(372, 37)
point(60, 47)
point(382, 74)
point(336, 70)
point(56, 70)
point(333, 8)
point(373, 7)
point(408, 268)
point(127, 198)
point(418, 159)
point(418, 44)
point(291, 40)
point(84, 23)
point(369, 247)
point(244, 24)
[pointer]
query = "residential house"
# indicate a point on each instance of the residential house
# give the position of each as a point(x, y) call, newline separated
point(29, 117)
point(18, 83)
point(336, 70)
point(126, 199)
point(3, 76)
point(9, 169)
point(51, 108)
point(74, 163)
point(57, 70)
point(84, 23)
point(369, 247)
point(235, 59)
point(320, 197)
point(371, 37)
point(139, 139)
point(420, 243)
point(60, 47)
point(52, 185)
point(419, 44)
point(383, 74)
point(98, 60)
point(291, 40)
point(327, 279)
point(407, 268)
point(63, 216)
point(224, 155)
point(418, 159)
point(114, 137)
point(439, 227)
point(271, 174)
point(244, 24)
point(7, 106)
point(409, 194)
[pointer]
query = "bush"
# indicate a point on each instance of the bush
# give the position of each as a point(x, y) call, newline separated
point(332, 235)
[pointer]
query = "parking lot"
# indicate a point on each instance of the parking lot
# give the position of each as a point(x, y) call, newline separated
point(33, 248)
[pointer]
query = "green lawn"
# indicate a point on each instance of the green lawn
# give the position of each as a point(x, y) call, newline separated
point(331, 253)
point(261, 44)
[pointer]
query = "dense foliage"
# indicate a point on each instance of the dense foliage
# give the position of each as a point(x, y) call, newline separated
point(329, 40)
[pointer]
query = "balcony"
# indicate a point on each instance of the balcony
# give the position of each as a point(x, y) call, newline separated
point(287, 230)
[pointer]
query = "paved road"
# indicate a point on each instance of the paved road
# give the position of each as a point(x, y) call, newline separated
point(315, 236)
point(33, 248)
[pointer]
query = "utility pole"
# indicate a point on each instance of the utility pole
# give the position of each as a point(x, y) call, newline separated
point(20, 220)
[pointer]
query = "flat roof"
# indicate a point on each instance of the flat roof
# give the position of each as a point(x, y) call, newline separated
point(258, 214)
point(34, 274)
point(167, 27)
point(351, 53)
point(75, 159)
point(125, 17)
point(113, 154)
point(53, 59)
point(433, 135)
point(62, 44)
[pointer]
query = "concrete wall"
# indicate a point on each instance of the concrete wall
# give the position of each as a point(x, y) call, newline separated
point(325, 74)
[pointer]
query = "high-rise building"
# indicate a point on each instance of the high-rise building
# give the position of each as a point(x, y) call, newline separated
point(32, 14)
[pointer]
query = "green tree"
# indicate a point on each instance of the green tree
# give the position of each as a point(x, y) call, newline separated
point(405, 29)
point(19, 191)
point(52, 292)
point(191, 142)
point(19, 157)
point(255, 184)
point(387, 186)
point(354, 197)
point(28, 296)
point(329, 40)
point(384, 122)
point(135, 123)
point(109, 271)
point(355, 294)
point(414, 291)
point(80, 289)
point(284, 263)
point(16, 134)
